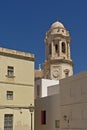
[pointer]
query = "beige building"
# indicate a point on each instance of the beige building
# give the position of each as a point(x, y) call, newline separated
point(58, 62)
point(16, 89)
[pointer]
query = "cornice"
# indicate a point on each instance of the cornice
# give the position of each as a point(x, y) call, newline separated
point(16, 54)
point(59, 61)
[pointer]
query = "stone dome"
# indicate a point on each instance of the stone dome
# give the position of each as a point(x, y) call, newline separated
point(57, 24)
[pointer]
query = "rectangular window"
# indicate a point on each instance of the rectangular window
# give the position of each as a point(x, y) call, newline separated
point(10, 71)
point(43, 117)
point(8, 122)
point(9, 95)
point(57, 123)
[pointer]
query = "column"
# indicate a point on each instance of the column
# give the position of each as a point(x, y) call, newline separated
point(68, 50)
point(52, 47)
point(59, 48)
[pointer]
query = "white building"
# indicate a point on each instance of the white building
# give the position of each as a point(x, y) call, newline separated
point(42, 86)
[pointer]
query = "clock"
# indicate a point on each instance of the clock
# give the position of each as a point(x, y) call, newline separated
point(55, 73)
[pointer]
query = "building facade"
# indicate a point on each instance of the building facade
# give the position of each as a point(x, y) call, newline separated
point(16, 89)
point(65, 110)
point(73, 106)
point(58, 62)
point(47, 113)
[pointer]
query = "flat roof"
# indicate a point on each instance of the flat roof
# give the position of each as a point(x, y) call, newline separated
point(16, 54)
point(72, 78)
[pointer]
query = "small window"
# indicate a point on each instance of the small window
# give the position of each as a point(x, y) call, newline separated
point(43, 117)
point(8, 122)
point(10, 71)
point(66, 72)
point(9, 95)
point(57, 123)
point(63, 47)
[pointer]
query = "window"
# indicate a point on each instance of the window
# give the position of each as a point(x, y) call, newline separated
point(9, 95)
point(8, 122)
point(43, 117)
point(10, 71)
point(62, 30)
point(57, 123)
point(56, 47)
point(50, 51)
point(66, 71)
point(63, 47)
point(66, 74)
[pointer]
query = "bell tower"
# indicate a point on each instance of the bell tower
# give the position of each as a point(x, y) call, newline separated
point(58, 63)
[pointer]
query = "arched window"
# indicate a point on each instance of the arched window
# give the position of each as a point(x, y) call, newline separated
point(63, 47)
point(56, 47)
point(50, 50)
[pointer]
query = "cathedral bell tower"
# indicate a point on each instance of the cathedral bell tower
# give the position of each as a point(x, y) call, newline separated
point(58, 63)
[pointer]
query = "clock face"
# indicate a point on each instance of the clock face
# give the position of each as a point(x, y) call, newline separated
point(55, 73)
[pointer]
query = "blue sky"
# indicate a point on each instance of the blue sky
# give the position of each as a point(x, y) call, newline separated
point(23, 24)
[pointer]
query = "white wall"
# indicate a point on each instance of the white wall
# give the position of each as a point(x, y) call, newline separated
point(46, 83)
point(43, 84)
